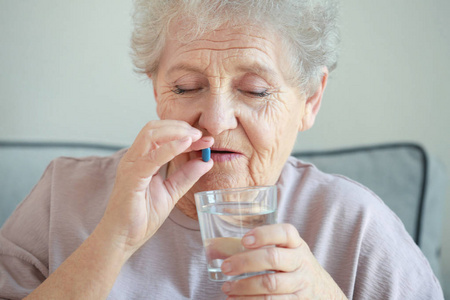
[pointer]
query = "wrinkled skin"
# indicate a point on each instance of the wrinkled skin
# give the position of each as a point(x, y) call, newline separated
point(231, 84)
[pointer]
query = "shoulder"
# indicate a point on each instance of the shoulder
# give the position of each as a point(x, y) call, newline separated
point(82, 186)
point(67, 181)
point(352, 233)
point(71, 190)
point(306, 184)
point(90, 165)
point(335, 209)
point(331, 199)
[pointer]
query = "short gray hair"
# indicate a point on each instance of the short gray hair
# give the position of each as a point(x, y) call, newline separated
point(308, 28)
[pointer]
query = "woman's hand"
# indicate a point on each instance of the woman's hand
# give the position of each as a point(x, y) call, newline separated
point(141, 200)
point(298, 275)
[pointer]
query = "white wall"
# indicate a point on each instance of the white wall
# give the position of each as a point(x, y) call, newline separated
point(65, 75)
point(65, 72)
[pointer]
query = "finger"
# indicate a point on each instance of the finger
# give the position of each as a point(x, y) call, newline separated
point(198, 142)
point(282, 235)
point(167, 122)
point(204, 142)
point(156, 133)
point(186, 176)
point(147, 166)
point(270, 258)
point(173, 127)
point(271, 284)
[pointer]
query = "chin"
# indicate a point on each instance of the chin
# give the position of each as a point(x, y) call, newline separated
point(218, 180)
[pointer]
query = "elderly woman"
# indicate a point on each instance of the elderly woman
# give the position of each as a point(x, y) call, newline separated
point(243, 78)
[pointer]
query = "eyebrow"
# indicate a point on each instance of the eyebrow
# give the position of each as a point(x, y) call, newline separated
point(184, 67)
point(258, 69)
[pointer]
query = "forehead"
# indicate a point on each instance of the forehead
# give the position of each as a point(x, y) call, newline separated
point(229, 49)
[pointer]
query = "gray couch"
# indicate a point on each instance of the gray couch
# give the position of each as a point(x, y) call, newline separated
point(408, 180)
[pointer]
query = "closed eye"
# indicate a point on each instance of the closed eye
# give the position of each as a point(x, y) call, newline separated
point(179, 91)
point(262, 94)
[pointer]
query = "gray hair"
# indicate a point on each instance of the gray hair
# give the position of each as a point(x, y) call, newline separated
point(308, 29)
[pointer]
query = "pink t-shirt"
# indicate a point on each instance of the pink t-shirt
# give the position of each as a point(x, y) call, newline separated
point(352, 233)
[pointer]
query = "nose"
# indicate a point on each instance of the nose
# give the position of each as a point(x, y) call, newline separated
point(218, 115)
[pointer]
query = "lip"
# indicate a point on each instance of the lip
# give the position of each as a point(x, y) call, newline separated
point(223, 154)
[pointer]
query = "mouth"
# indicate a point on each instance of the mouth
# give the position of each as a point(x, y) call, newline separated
point(223, 155)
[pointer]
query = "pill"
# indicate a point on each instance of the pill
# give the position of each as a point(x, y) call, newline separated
point(206, 154)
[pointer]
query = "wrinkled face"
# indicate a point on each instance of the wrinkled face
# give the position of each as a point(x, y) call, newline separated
point(230, 84)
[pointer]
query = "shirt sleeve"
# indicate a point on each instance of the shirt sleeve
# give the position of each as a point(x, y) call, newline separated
point(24, 240)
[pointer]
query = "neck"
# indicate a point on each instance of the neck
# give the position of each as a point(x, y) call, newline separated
point(187, 207)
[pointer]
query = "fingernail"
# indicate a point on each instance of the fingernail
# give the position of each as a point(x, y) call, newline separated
point(226, 287)
point(226, 267)
point(207, 139)
point(248, 240)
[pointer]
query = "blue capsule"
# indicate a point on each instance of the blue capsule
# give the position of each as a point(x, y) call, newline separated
point(206, 154)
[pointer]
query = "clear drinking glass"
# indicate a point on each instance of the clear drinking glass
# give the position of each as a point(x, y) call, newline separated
point(226, 215)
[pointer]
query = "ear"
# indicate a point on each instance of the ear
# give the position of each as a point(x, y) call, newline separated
point(312, 104)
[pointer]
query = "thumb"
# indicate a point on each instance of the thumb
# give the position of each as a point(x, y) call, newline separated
point(185, 177)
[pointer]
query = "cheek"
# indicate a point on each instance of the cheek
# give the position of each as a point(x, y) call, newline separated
point(162, 105)
point(169, 109)
point(272, 126)
point(162, 110)
point(272, 133)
